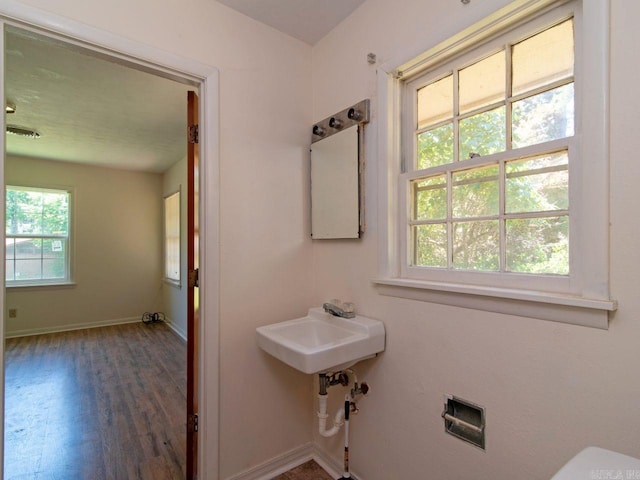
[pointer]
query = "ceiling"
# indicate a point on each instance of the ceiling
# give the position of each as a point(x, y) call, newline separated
point(88, 109)
point(91, 110)
point(306, 20)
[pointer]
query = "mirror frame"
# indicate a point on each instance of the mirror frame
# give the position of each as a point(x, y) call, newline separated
point(354, 116)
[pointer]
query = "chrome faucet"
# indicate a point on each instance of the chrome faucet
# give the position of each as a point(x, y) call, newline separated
point(339, 309)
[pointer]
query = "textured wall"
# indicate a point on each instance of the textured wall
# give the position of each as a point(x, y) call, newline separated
point(265, 249)
point(549, 389)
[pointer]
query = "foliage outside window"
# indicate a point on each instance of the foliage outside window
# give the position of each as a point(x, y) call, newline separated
point(497, 139)
point(37, 236)
point(172, 238)
point(489, 181)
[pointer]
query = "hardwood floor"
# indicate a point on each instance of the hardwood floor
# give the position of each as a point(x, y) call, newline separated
point(307, 471)
point(102, 403)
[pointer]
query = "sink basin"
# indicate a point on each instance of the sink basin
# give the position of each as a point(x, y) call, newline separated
point(321, 342)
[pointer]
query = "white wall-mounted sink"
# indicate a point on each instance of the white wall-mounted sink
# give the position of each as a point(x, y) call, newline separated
point(322, 342)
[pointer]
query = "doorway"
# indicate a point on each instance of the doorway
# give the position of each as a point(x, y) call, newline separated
point(204, 78)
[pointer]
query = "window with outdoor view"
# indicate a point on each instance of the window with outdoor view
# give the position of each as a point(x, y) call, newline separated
point(493, 141)
point(496, 143)
point(37, 236)
point(172, 238)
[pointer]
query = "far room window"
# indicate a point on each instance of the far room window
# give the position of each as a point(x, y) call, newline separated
point(172, 238)
point(37, 236)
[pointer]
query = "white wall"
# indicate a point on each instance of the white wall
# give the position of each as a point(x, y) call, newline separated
point(174, 298)
point(116, 248)
point(549, 389)
point(265, 250)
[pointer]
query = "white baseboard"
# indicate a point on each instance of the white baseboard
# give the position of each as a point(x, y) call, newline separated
point(328, 464)
point(73, 326)
point(292, 459)
point(277, 465)
point(179, 331)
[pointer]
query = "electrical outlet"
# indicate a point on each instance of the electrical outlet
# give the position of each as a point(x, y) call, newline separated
point(13, 313)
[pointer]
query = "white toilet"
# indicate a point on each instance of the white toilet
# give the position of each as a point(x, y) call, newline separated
point(595, 463)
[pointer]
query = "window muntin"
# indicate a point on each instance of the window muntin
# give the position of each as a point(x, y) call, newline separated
point(37, 236)
point(496, 159)
point(172, 238)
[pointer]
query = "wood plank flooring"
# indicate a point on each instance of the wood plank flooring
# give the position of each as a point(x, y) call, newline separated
point(307, 471)
point(103, 403)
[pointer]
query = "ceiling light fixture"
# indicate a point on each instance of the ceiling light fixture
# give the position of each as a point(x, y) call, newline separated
point(22, 131)
point(10, 108)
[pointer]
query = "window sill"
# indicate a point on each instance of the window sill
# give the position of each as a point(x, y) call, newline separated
point(40, 286)
point(173, 283)
point(587, 312)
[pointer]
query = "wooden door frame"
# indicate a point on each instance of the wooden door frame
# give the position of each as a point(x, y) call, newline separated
point(206, 79)
point(193, 294)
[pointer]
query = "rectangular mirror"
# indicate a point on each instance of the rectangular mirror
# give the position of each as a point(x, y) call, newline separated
point(335, 203)
point(337, 165)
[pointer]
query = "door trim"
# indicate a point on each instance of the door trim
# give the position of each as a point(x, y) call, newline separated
point(184, 70)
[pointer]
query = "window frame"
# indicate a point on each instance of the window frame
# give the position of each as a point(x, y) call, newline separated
point(410, 88)
point(583, 296)
point(177, 282)
point(67, 280)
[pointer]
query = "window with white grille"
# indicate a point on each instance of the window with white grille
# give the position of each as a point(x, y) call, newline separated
point(172, 238)
point(37, 245)
point(496, 181)
point(492, 141)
